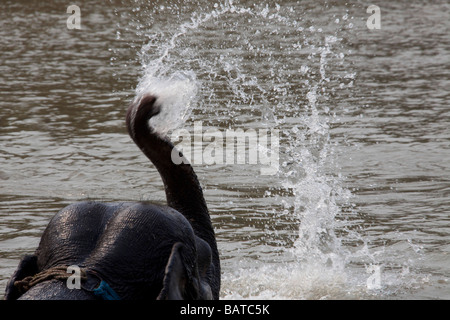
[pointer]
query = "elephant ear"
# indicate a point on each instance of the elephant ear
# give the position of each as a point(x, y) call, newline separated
point(27, 267)
point(176, 279)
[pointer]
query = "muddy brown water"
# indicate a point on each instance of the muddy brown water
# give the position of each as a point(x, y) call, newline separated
point(358, 206)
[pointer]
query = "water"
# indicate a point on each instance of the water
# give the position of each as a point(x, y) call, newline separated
point(358, 204)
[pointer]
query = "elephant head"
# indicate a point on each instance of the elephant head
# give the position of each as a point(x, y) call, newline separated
point(129, 250)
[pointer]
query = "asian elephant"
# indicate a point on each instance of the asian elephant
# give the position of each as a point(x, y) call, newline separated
point(129, 250)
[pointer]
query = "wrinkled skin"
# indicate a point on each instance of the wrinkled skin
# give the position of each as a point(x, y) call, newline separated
point(142, 250)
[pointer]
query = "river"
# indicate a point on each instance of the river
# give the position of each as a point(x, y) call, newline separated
point(344, 194)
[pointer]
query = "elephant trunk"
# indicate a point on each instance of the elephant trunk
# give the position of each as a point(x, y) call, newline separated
point(182, 188)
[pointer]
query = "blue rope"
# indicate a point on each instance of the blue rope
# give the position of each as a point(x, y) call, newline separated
point(106, 292)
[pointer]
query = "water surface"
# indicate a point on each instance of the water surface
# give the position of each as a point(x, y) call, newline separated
point(359, 207)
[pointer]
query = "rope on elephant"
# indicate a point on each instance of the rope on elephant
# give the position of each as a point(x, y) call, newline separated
point(58, 273)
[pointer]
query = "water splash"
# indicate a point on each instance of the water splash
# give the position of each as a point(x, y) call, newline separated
point(318, 267)
point(175, 85)
point(176, 93)
point(274, 66)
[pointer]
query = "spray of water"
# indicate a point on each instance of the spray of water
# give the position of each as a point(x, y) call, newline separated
point(272, 64)
point(317, 266)
point(176, 93)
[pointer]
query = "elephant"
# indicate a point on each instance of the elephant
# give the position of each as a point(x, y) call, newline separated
point(129, 250)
